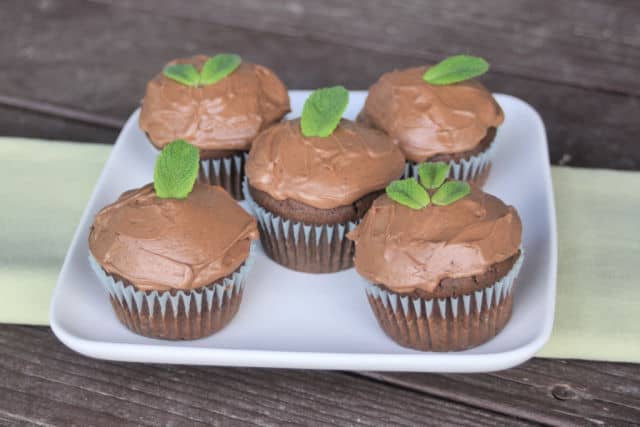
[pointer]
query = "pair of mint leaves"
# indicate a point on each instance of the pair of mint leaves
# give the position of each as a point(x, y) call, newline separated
point(431, 187)
point(214, 69)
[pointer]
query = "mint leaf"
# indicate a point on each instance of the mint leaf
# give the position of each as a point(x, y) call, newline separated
point(182, 73)
point(456, 69)
point(409, 193)
point(176, 170)
point(451, 191)
point(432, 175)
point(323, 110)
point(219, 67)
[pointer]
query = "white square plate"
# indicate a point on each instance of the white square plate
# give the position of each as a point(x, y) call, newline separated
point(297, 320)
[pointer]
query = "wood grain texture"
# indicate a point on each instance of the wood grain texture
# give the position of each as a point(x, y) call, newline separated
point(44, 383)
point(555, 392)
point(588, 43)
point(106, 52)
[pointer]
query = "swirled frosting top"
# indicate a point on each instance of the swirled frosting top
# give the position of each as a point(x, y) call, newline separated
point(426, 120)
point(407, 249)
point(323, 172)
point(163, 244)
point(226, 115)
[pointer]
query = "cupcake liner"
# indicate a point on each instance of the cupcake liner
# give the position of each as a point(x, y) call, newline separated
point(471, 169)
point(303, 247)
point(176, 314)
point(445, 324)
point(227, 172)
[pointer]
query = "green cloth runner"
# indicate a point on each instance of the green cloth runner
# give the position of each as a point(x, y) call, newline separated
point(45, 187)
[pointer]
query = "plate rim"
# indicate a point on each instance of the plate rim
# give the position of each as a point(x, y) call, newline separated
point(453, 362)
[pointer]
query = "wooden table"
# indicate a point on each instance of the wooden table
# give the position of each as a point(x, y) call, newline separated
point(74, 70)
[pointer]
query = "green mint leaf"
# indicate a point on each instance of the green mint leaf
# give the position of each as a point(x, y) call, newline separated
point(182, 73)
point(432, 175)
point(219, 67)
point(409, 193)
point(176, 170)
point(323, 110)
point(451, 191)
point(456, 69)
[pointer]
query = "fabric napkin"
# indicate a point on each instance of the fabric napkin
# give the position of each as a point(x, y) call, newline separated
point(598, 297)
point(46, 185)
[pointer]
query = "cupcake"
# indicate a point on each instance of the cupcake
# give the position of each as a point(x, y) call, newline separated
point(438, 114)
point(310, 180)
point(441, 258)
point(173, 255)
point(218, 104)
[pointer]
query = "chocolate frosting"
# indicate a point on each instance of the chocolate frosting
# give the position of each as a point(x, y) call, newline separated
point(427, 120)
point(406, 249)
point(226, 115)
point(323, 172)
point(163, 244)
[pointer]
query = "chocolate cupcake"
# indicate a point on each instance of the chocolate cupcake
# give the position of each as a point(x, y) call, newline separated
point(437, 114)
point(173, 256)
point(219, 105)
point(441, 263)
point(310, 180)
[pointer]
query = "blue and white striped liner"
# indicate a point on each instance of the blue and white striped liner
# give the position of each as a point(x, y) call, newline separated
point(275, 224)
point(463, 170)
point(131, 298)
point(491, 295)
point(235, 160)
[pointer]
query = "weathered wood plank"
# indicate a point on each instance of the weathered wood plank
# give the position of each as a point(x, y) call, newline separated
point(584, 128)
point(22, 406)
point(591, 44)
point(109, 69)
point(43, 382)
point(557, 392)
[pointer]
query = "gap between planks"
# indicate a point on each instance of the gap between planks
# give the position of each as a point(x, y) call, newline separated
point(61, 112)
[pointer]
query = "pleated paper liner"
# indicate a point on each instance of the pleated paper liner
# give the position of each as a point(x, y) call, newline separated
point(445, 324)
point(227, 172)
point(475, 169)
point(176, 314)
point(303, 247)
